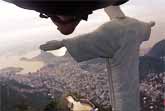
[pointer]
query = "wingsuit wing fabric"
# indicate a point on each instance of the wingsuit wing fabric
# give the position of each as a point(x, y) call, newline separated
point(65, 7)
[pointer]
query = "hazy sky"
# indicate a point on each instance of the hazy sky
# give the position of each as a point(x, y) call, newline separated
point(22, 30)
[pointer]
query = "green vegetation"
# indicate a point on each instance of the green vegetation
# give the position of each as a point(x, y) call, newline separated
point(57, 105)
point(23, 107)
point(102, 108)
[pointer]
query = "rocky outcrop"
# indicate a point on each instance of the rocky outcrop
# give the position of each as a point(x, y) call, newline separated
point(158, 50)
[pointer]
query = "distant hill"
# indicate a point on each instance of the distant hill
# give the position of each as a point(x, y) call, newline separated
point(149, 65)
point(10, 70)
point(48, 58)
point(158, 50)
point(15, 93)
point(45, 57)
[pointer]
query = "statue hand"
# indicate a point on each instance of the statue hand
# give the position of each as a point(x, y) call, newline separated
point(51, 45)
point(152, 24)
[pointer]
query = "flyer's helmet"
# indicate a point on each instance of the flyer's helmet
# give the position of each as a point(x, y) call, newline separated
point(65, 7)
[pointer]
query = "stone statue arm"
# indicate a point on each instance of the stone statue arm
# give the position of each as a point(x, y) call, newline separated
point(114, 12)
point(100, 43)
point(52, 45)
point(103, 42)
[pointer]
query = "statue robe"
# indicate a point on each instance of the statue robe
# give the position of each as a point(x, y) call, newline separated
point(118, 41)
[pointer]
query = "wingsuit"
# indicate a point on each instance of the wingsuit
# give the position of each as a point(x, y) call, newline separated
point(65, 7)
